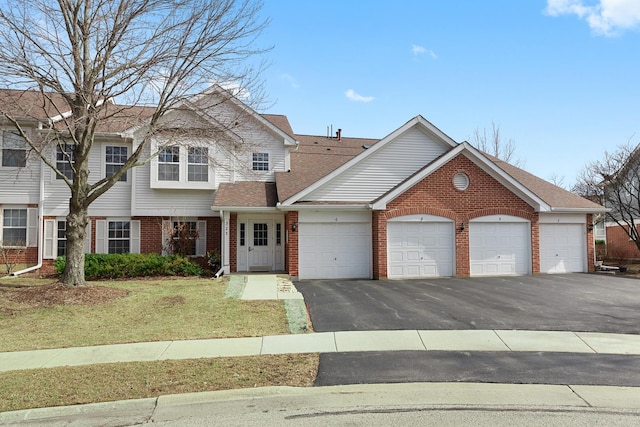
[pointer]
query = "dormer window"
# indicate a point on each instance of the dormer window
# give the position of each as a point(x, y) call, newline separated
point(261, 162)
point(169, 164)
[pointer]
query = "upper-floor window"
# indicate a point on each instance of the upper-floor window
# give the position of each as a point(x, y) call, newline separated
point(198, 164)
point(260, 161)
point(14, 227)
point(115, 158)
point(184, 166)
point(169, 164)
point(65, 160)
point(14, 150)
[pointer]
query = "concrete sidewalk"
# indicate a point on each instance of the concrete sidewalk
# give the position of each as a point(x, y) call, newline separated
point(328, 342)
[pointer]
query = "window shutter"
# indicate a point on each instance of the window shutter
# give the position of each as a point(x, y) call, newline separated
point(32, 227)
point(87, 239)
point(101, 237)
point(134, 239)
point(49, 251)
point(166, 235)
point(201, 242)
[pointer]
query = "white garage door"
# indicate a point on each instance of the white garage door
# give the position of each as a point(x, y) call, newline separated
point(334, 251)
point(499, 248)
point(420, 249)
point(562, 248)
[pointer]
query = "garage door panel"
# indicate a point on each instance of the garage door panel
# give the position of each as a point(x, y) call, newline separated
point(334, 250)
point(500, 248)
point(562, 248)
point(420, 249)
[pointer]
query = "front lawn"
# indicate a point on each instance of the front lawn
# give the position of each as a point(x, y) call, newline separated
point(157, 309)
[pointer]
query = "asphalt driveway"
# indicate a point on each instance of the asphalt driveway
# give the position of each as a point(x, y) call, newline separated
point(571, 302)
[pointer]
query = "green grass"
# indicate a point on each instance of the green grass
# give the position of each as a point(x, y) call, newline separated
point(108, 382)
point(154, 310)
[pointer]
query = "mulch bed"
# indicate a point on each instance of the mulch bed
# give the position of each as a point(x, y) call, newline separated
point(57, 294)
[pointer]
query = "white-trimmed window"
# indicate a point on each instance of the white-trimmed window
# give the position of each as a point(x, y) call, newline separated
point(198, 164)
point(190, 233)
point(14, 227)
point(169, 164)
point(116, 236)
point(119, 237)
point(65, 160)
point(260, 162)
point(185, 166)
point(55, 238)
point(14, 150)
point(115, 158)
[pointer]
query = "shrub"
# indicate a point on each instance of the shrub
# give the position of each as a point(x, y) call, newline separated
point(115, 266)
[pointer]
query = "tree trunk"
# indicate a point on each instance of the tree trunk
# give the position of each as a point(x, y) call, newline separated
point(76, 233)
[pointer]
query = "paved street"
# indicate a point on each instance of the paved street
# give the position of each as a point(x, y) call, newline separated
point(571, 302)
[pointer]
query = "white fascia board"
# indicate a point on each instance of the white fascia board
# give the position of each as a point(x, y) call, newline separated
point(482, 162)
point(581, 210)
point(416, 121)
point(243, 209)
point(324, 207)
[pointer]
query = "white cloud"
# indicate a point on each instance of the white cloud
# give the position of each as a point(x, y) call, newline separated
point(353, 96)
point(421, 50)
point(605, 17)
point(289, 78)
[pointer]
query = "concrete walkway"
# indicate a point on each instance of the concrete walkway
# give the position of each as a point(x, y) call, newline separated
point(266, 287)
point(328, 342)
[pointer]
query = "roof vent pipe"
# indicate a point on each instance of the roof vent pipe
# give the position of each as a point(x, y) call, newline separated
point(339, 135)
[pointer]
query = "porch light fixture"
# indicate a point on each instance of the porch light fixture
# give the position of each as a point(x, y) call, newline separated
point(590, 227)
point(294, 226)
point(462, 226)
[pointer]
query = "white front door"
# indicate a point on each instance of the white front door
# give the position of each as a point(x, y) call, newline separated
point(260, 245)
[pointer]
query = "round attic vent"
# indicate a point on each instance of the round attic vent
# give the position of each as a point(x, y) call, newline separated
point(461, 181)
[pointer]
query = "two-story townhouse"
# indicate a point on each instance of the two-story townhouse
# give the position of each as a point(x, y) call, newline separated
point(413, 204)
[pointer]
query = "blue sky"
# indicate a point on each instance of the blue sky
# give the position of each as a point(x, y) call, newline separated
point(560, 77)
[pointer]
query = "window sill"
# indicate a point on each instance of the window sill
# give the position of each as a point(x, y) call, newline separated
point(179, 185)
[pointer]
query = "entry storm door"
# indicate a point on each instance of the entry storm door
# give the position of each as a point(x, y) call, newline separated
point(260, 245)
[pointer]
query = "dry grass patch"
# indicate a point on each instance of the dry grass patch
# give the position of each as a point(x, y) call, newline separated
point(40, 388)
point(128, 311)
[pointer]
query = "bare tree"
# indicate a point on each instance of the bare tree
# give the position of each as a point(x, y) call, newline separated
point(80, 55)
point(495, 145)
point(557, 180)
point(614, 181)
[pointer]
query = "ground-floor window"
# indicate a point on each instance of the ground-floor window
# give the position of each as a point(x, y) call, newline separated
point(14, 227)
point(185, 235)
point(119, 237)
point(61, 232)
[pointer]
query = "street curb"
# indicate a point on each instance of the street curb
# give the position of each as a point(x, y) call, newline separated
point(424, 395)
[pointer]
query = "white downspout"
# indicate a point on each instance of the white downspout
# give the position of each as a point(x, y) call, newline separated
point(40, 227)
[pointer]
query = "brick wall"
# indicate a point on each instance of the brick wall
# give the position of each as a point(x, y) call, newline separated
point(619, 245)
point(291, 244)
point(436, 195)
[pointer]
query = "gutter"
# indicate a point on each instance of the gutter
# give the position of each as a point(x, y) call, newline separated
point(40, 227)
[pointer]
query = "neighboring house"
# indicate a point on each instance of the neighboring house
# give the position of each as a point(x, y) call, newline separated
point(413, 204)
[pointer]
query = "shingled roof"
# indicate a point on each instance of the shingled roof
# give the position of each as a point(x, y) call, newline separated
point(31, 104)
point(246, 194)
point(554, 196)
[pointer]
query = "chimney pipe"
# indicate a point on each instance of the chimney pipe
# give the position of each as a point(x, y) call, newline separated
point(339, 134)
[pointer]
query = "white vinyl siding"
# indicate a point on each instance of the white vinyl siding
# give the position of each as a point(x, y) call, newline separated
point(382, 170)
